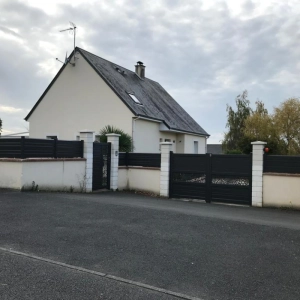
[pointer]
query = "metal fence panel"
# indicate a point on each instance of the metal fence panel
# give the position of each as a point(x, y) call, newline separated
point(282, 164)
point(140, 159)
point(39, 148)
point(10, 148)
point(217, 178)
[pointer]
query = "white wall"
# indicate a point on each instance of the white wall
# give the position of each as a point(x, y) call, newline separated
point(10, 174)
point(281, 190)
point(180, 143)
point(79, 99)
point(147, 136)
point(140, 179)
point(48, 174)
point(123, 178)
point(189, 143)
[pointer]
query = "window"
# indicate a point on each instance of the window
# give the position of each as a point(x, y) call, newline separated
point(168, 140)
point(196, 147)
point(135, 99)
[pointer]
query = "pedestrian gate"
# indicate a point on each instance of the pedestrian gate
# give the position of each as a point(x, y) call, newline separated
point(101, 165)
point(217, 178)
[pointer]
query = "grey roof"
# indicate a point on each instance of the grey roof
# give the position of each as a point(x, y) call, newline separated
point(214, 148)
point(156, 102)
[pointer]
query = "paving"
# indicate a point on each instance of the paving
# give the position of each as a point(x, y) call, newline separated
point(200, 250)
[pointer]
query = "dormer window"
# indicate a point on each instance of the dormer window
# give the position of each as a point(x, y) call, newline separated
point(135, 99)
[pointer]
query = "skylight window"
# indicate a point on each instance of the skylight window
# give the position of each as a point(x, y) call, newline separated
point(134, 98)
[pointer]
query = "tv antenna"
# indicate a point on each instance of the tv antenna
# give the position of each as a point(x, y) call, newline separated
point(72, 29)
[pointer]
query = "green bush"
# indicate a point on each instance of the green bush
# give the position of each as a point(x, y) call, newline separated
point(125, 140)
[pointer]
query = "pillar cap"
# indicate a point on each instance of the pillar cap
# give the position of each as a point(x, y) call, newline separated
point(259, 143)
point(113, 134)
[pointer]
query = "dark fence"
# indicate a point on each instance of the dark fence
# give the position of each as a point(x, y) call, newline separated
point(38, 148)
point(211, 177)
point(282, 164)
point(139, 159)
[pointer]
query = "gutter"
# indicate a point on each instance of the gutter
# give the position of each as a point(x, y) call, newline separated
point(186, 132)
point(172, 130)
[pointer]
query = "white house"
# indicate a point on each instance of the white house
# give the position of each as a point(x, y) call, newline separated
point(95, 92)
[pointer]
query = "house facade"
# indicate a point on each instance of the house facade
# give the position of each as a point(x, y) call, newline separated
point(95, 93)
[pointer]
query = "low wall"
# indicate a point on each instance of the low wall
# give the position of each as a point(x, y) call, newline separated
point(11, 174)
point(139, 179)
point(47, 174)
point(281, 190)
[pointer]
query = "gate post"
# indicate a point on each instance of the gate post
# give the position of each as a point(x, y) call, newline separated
point(257, 172)
point(87, 137)
point(113, 138)
point(165, 168)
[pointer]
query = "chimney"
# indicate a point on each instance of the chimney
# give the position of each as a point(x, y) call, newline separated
point(140, 69)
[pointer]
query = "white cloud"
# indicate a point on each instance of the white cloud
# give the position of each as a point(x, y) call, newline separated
point(203, 52)
point(285, 78)
point(10, 110)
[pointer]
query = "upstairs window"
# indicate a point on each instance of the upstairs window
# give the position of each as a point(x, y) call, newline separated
point(134, 98)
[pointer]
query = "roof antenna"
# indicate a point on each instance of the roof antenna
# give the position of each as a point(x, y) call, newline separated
point(72, 29)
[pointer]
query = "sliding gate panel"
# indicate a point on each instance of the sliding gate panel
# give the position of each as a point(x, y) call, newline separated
point(231, 177)
point(188, 176)
point(216, 178)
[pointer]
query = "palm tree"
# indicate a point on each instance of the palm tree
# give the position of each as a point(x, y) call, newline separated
point(125, 140)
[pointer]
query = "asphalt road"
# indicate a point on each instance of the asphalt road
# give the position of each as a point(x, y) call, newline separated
point(196, 249)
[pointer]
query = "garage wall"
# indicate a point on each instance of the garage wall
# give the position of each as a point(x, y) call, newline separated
point(147, 135)
point(189, 143)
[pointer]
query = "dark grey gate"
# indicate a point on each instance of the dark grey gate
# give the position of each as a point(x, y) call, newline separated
point(101, 165)
point(217, 178)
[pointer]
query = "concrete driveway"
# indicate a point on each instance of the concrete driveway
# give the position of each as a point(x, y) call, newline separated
point(127, 246)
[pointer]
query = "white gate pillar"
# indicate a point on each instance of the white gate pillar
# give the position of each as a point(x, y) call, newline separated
point(165, 168)
point(88, 138)
point(113, 138)
point(257, 172)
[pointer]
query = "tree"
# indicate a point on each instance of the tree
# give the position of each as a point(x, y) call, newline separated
point(0, 126)
point(259, 126)
point(234, 139)
point(125, 140)
point(287, 122)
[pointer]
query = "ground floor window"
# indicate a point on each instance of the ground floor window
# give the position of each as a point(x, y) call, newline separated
point(196, 147)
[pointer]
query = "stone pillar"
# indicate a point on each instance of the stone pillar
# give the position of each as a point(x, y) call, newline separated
point(113, 138)
point(165, 168)
point(257, 172)
point(88, 138)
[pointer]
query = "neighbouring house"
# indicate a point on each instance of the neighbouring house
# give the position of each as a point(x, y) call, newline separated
point(95, 92)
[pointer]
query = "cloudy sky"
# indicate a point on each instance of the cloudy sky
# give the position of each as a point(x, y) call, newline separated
point(203, 52)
